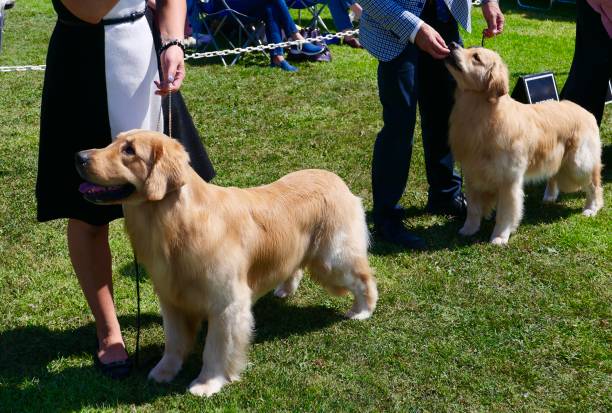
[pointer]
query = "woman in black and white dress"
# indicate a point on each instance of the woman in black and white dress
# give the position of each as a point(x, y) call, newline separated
point(101, 79)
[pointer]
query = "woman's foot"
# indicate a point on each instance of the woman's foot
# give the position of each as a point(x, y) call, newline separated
point(353, 42)
point(308, 49)
point(281, 63)
point(112, 360)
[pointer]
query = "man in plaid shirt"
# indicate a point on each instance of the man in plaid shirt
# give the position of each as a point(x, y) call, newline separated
point(409, 38)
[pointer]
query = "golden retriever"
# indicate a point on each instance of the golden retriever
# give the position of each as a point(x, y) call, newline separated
point(501, 144)
point(212, 251)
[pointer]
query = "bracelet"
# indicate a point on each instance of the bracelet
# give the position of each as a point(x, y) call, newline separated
point(173, 42)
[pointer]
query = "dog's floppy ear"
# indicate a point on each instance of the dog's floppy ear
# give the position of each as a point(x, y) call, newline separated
point(169, 163)
point(497, 82)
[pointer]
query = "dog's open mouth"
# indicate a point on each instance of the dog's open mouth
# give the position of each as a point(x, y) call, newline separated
point(99, 194)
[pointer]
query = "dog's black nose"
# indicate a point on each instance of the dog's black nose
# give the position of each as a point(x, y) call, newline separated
point(453, 46)
point(81, 158)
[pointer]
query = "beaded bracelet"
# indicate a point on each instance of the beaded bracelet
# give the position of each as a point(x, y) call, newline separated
point(174, 42)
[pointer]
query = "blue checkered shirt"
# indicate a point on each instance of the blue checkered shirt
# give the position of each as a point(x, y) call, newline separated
point(387, 26)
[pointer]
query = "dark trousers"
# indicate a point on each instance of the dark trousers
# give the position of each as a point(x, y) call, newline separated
point(592, 65)
point(414, 77)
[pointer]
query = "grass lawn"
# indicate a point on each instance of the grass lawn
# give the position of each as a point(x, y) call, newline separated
point(464, 326)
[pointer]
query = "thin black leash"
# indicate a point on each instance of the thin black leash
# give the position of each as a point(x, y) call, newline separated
point(136, 267)
point(137, 351)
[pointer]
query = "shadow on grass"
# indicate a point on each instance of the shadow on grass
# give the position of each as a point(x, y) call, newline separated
point(445, 235)
point(38, 371)
point(559, 12)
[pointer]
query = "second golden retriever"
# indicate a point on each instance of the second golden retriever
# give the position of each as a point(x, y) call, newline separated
point(212, 251)
point(502, 143)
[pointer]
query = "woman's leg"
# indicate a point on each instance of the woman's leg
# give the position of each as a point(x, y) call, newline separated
point(91, 259)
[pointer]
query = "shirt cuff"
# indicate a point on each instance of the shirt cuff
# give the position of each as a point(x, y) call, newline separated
point(412, 36)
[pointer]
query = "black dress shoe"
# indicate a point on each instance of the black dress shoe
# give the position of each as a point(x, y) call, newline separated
point(456, 207)
point(394, 232)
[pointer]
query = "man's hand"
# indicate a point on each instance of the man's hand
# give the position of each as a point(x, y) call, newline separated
point(430, 41)
point(494, 17)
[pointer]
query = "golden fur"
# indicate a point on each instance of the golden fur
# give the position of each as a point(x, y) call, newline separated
point(502, 143)
point(212, 251)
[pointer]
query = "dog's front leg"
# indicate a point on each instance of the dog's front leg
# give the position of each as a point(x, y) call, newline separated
point(180, 330)
point(225, 351)
point(474, 213)
point(509, 213)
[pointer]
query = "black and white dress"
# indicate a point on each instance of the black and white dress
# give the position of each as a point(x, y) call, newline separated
point(99, 81)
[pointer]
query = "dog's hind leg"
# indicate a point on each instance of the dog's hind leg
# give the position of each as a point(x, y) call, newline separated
point(225, 351)
point(361, 283)
point(551, 193)
point(180, 330)
point(594, 192)
point(509, 213)
point(290, 285)
point(474, 213)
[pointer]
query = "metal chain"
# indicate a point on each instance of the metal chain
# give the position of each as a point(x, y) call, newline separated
point(216, 53)
point(21, 68)
point(270, 46)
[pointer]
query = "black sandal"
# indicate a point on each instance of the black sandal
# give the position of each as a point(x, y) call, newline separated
point(115, 370)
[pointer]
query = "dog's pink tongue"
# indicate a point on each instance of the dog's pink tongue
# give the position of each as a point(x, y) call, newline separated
point(86, 187)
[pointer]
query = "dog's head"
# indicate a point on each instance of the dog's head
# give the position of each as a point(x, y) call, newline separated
point(138, 166)
point(479, 70)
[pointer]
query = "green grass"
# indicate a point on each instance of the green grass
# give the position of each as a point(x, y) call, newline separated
point(465, 326)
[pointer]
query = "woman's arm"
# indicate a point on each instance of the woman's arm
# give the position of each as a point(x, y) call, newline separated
point(171, 16)
point(91, 11)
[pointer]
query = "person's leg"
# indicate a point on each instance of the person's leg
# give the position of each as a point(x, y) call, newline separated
point(91, 259)
point(592, 64)
point(340, 16)
point(436, 98)
point(285, 21)
point(274, 35)
point(397, 90)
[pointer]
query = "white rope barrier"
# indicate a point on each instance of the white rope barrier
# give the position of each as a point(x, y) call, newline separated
point(217, 53)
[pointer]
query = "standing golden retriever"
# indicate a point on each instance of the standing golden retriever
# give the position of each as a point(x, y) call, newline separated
point(502, 143)
point(212, 252)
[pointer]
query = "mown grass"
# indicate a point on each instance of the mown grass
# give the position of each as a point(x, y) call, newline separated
point(464, 326)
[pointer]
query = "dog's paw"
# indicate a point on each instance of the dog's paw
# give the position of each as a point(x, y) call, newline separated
point(467, 231)
point(588, 212)
point(549, 199)
point(164, 371)
point(358, 315)
point(280, 292)
point(208, 388)
point(499, 241)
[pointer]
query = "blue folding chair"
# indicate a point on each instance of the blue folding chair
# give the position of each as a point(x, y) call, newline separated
point(217, 19)
point(315, 9)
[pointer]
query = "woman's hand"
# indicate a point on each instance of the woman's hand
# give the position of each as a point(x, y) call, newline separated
point(173, 70)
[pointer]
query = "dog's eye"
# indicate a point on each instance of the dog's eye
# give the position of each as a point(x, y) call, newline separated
point(476, 57)
point(128, 149)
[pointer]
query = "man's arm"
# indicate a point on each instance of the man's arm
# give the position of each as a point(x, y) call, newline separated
point(493, 16)
point(391, 16)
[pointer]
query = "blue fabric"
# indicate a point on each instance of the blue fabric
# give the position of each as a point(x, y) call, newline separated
point(412, 78)
point(442, 12)
point(387, 26)
point(339, 13)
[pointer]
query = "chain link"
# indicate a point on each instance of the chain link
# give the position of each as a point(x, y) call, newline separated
point(217, 53)
point(21, 68)
point(269, 46)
